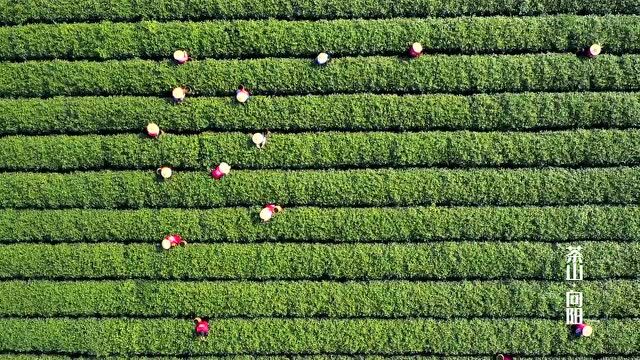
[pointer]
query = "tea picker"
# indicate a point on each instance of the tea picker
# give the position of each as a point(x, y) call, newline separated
point(165, 172)
point(242, 95)
point(268, 211)
point(322, 58)
point(593, 51)
point(220, 171)
point(504, 357)
point(153, 130)
point(171, 241)
point(582, 330)
point(180, 56)
point(179, 94)
point(260, 139)
point(415, 50)
point(202, 328)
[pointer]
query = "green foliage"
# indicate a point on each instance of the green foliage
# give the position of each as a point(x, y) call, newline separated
point(309, 224)
point(323, 150)
point(269, 76)
point(311, 336)
point(528, 111)
point(387, 299)
point(13, 12)
point(307, 38)
point(134, 189)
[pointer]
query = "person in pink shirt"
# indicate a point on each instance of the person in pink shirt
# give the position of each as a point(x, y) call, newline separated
point(153, 130)
point(415, 50)
point(220, 171)
point(582, 330)
point(504, 357)
point(242, 95)
point(180, 56)
point(267, 212)
point(202, 328)
point(171, 241)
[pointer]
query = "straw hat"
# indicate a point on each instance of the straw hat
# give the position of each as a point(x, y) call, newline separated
point(242, 95)
point(595, 49)
point(322, 58)
point(224, 168)
point(165, 172)
point(180, 56)
point(166, 244)
point(587, 330)
point(153, 129)
point(178, 93)
point(416, 47)
point(258, 139)
point(266, 214)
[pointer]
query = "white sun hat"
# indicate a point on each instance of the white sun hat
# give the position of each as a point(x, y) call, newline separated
point(587, 330)
point(224, 168)
point(595, 49)
point(266, 214)
point(322, 58)
point(258, 139)
point(180, 56)
point(242, 95)
point(166, 244)
point(165, 172)
point(178, 93)
point(153, 129)
point(416, 47)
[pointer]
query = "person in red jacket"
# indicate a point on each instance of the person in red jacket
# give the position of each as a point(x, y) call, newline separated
point(171, 241)
point(202, 328)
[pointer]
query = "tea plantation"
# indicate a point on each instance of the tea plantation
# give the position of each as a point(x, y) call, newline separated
point(429, 201)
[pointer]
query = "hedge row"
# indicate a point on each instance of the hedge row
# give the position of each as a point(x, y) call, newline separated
point(306, 38)
point(12, 12)
point(323, 150)
point(311, 357)
point(325, 225)
point(333, 112)
point(322, 188)
point(306, 357)
point(287, 336)
point(387, 299)
point(447, 260)
point(451, 74)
